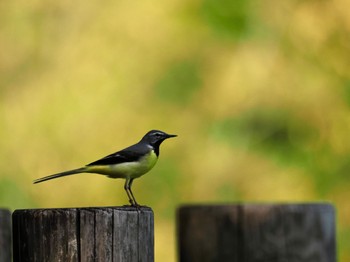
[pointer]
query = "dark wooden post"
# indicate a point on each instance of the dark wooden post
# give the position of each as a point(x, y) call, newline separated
point(84, 234)
point(257, 233)
point(5, 235)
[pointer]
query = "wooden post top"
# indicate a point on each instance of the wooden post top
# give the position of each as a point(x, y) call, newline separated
point(117, 208)
point(84, 234)
point(242, 232)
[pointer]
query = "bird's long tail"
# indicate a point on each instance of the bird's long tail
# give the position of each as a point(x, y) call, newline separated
point(66, 173)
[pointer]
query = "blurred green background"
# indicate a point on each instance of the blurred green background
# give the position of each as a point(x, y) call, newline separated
point(258, 92)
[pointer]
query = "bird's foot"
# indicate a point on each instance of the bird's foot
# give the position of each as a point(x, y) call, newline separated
point(134, 204)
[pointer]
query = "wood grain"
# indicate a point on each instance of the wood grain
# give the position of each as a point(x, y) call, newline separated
point(5, 235)
point(257, 232)
point(84, 234)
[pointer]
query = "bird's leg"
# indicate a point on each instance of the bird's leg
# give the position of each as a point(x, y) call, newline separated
point(132, 195)
point(127, 188)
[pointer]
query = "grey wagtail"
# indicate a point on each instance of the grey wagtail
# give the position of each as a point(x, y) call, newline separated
point(129, 163)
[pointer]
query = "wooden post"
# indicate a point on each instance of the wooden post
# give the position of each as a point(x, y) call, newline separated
point(84, 234)
point(257, 233)
point(5, 235)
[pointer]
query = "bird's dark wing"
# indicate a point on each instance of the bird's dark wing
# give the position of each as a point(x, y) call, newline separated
point(130, 154)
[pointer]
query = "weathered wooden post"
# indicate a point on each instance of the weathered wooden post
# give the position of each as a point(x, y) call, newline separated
point(84, 234)
point(5, 235)
point(257, 233)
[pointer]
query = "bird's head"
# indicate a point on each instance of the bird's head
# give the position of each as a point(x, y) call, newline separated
point(156, 137)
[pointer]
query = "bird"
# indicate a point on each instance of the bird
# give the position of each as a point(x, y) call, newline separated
point(129, 163)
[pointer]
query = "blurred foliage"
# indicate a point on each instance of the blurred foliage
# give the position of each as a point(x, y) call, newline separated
point(258, 93)
point(179, 83)
point(273, 132)
point(12, 195)
point(229, 18)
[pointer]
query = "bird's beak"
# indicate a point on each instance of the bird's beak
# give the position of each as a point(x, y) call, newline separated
point(169, 136)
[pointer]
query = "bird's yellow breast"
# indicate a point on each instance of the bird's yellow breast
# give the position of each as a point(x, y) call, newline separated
point(127, 169)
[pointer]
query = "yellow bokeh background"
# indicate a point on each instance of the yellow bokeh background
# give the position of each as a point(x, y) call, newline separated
point(258, 93)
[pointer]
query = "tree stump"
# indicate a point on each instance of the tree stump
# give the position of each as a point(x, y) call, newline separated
point(257, 232)
point(84, 234)
point(5, 235)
